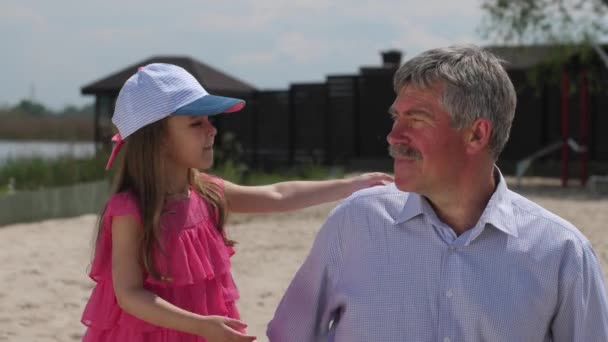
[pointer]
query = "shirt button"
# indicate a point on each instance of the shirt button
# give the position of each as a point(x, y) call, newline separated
point(446, 339)
point(449, 293)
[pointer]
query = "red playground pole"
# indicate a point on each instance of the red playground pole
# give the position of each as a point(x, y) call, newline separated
point(584, 129)
point(565, 126)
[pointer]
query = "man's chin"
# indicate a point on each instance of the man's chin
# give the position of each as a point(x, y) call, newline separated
point(404, 186)
point(404, 182)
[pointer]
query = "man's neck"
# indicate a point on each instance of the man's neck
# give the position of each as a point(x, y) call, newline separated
point(461, 206)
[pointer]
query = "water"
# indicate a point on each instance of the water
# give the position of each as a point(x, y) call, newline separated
point(10, 149)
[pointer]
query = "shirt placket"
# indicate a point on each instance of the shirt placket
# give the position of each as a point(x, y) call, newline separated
point(449, 269)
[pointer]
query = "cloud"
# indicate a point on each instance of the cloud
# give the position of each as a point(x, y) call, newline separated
point(108, 35)
point(267, 15)
point(288, 47)
point(302, 48)
point(418, 38)
point(253, 58)
point(271, 43)
point(256, 15)
point(347, 29)
point(19, 14)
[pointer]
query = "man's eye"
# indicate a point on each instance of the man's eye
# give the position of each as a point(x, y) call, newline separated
point(196, 124)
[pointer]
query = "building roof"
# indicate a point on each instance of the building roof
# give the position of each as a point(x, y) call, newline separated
point(211, 79)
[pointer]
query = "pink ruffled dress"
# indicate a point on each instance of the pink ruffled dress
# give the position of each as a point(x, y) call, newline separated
point(197, 261)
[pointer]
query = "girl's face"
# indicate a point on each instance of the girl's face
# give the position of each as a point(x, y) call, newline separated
point(189, 141)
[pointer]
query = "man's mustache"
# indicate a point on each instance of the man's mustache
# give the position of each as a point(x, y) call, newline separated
point(403, 151)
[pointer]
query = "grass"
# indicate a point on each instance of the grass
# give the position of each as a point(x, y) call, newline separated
point(38, 173)
point(239, 173)
point(46, 128)
point(304, 172)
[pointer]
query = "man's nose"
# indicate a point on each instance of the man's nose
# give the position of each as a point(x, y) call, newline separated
point(397, 134)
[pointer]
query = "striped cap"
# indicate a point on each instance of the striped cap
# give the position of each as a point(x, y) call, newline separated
point(158, 90)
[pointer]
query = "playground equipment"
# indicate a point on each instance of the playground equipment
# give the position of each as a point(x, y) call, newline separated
point(522, 166)
point(567, 143)
point(583, 126)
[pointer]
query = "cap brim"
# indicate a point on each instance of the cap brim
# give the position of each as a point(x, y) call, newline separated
point(211, 105)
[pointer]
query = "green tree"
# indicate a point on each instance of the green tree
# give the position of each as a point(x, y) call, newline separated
point(561, 22)
point(31, 107)
point(572, 28)
point(86, 110)
point(69, 109)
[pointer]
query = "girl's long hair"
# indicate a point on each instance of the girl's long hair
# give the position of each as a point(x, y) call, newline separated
point(139, 170)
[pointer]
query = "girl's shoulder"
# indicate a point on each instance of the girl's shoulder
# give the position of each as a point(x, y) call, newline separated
point(211, 178)
point(217, 182)
point(121, 204)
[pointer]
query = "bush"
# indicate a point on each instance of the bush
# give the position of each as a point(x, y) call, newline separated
point(305, 172)
point(37, 173)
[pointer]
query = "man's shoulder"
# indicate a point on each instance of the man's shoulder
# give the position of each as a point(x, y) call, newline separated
point(387, 192)
point(540, 220)
point(386, 198)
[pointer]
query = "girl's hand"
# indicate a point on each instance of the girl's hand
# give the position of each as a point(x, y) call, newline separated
point(367, 180)
point(223, 329)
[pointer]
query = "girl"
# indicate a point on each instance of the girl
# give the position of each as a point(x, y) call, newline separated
point(162, 257)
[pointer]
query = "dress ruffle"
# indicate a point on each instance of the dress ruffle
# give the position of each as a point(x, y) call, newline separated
point(196, 266)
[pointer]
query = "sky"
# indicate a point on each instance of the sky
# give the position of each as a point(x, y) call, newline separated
point(50, 49)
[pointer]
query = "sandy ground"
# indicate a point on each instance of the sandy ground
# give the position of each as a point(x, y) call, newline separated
point(44, 264)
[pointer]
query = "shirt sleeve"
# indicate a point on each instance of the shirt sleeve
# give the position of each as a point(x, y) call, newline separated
point(217, 181)
point(304, 313)
point(583, 311)
point(122, 204)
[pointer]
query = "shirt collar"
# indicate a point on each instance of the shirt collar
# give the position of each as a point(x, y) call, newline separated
point(412, 208)
point(498, 212)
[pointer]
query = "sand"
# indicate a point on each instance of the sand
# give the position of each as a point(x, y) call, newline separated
point(44, 264)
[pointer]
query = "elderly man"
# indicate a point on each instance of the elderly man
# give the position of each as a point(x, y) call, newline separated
point(447, 252)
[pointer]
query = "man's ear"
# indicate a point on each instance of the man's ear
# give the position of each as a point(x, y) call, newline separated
point(478, 136)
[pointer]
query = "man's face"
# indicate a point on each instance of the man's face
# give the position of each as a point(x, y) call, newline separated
point(428, 152)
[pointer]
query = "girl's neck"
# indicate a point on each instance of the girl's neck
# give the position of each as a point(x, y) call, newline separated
point(177, 182)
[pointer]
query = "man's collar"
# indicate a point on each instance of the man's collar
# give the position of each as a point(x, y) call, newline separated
point(498, 211)
point(413, 207)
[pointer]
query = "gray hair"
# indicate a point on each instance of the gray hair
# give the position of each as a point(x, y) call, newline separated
point(476, 86)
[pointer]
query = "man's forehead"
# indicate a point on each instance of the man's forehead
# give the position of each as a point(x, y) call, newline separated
point(432, 90)
point(413, 96)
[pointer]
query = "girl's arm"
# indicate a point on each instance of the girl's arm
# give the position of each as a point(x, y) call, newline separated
point(143, 304)
point(293, 195)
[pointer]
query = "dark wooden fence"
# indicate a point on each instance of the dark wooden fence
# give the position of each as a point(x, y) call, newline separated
point(344, 121)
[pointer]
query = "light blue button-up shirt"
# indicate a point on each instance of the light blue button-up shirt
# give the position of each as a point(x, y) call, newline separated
point(385, 268)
